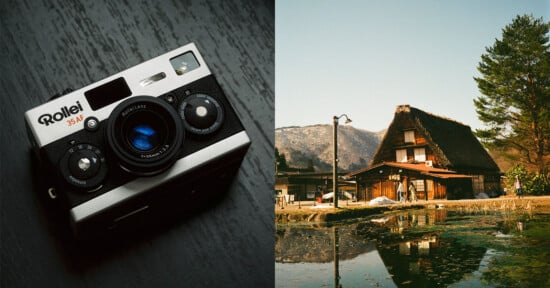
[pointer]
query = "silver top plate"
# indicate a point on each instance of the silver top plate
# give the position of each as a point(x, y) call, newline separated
point(73, 108)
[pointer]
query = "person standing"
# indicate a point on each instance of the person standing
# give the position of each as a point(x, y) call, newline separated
point(400, 191)
point(412, 191)
point(517, 185)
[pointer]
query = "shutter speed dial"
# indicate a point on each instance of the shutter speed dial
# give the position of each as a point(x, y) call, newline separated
point(83, 166)
point(201, 114)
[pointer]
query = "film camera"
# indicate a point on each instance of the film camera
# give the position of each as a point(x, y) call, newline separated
point(158, 136)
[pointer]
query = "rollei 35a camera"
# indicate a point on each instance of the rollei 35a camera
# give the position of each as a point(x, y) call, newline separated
point(158, 136)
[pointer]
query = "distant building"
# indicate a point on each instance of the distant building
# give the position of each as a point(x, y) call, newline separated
point(304, 186)
point(310, 185)
point(440, 157)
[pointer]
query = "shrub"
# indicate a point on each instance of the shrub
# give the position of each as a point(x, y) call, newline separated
point(533, 183)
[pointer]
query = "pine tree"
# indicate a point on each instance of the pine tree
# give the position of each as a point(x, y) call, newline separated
point(515, 83)
point(280, 160)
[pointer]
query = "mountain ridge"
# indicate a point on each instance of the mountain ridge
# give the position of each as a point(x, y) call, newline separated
point(313, 144)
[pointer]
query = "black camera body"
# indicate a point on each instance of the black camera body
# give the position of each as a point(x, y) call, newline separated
point(158, 137)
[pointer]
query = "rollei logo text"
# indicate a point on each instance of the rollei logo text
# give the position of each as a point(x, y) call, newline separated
point(47, 119)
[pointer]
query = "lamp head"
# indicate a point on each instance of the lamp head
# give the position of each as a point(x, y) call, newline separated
point(343, 115)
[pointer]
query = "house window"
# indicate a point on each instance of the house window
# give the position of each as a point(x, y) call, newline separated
point(409, 136)
point(401, 155)
point(420, 154)
point(419, 185)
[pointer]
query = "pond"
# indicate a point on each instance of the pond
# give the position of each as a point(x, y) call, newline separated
point(418, 248)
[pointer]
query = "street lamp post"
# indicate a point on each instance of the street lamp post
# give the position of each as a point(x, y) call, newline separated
point(335, 158)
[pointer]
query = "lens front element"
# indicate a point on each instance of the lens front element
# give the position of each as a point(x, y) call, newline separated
point(145, 131)
point(143, 137)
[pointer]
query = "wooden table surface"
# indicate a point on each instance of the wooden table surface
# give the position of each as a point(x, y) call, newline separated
point(47, 46)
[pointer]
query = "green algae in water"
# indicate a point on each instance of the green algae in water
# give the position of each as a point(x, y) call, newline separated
point(520, 258)
point(526, 260)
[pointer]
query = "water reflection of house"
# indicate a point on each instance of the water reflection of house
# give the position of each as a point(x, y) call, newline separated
point(430, 261)
point(413, 258)
point(425, 259)
point(420, 246)
point(398, 223)
point(441, 157)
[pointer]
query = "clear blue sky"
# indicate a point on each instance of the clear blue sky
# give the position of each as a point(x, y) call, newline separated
point(364, 58)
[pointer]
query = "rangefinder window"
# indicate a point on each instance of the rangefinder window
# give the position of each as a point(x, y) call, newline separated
point(184, 63)
point(108, 93)
point(152, 79)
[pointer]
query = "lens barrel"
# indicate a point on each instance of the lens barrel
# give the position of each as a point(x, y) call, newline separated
point(145, 133)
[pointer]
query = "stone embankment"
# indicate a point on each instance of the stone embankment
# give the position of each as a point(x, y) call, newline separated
point(314, 212)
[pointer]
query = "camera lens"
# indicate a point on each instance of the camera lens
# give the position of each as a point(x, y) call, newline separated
point(143, 137)
point(146, 134)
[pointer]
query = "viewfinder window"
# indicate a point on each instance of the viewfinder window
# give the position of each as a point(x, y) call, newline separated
point(184, 63)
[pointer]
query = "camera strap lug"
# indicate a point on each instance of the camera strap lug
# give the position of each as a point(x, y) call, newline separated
point(51, 193)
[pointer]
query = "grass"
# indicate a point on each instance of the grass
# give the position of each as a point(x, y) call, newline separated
point(306, 212)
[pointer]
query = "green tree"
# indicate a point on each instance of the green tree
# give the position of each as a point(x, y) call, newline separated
point(280, 160)
point(515, 88)
point(310, 164)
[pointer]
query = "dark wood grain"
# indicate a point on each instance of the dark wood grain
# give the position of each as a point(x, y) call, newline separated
point(47, 46)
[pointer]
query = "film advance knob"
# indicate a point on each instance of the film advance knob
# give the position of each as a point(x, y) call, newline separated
point(202, 114)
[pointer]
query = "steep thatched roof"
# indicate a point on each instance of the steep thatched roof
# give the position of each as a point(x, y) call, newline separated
point(453, 142)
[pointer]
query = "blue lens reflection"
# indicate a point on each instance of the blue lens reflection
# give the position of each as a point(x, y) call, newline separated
point(143, 137)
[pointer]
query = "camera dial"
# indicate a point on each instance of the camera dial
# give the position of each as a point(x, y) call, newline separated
point(201, 114)
point(83, 166)
point(145, 133)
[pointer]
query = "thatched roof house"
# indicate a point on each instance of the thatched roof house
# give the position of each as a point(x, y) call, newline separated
point(440, 156)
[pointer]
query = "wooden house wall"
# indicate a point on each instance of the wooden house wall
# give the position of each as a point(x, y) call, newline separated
point(459, 189)
point(433, 189)
point(439, 191)
point(419, 139)
point(492, 183)
point(487, 181)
